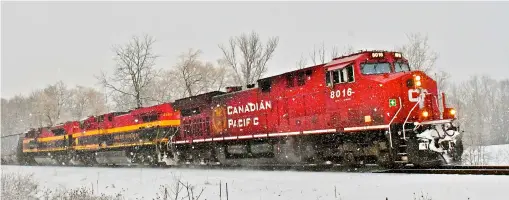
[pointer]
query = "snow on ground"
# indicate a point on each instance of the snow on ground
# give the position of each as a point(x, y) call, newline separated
point(255, 185)
point(486, 155)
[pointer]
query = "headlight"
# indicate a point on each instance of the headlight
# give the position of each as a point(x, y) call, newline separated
point(452, 112)
point(425, 114)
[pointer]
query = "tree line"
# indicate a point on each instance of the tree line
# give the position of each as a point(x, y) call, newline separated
point(482, 102)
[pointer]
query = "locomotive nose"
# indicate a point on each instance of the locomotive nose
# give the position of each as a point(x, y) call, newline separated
point(421, 96)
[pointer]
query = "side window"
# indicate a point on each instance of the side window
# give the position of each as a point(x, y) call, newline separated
point(328, 78)
point(85, 125)
point(349, 74)
point(335, 77)
point(265, 85)
point(58, 132)
point(289, 80)
point(344, 75)
point(110, 118)
point(100, 118)
point(189, 112)
point(150, 117)
point(207, 126)
point(308, 74)
point(301, 79)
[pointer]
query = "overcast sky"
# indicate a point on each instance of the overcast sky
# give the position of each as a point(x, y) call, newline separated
point(70, 41)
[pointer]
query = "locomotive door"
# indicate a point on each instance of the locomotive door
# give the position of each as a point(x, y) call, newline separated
point(340, 105)
point(70, 140)
point(283, 117)
point(102, 127)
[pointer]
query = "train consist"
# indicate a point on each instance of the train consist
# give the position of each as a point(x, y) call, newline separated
point(367, 107)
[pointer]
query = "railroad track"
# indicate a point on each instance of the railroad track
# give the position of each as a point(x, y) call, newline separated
point(453, 169)
point(448, 169)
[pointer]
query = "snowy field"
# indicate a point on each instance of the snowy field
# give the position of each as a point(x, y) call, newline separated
point(255, 185)
point(144, 183)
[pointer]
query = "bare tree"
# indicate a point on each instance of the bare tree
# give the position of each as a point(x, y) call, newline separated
point(134, 71)
point(442, 79)
point(348, 49)
point(55, 99)
point(15, 115)
point(164, 88)
point(191, 71)
point(220, 77)
point(86, 101)
point(197, 76)
point(319, 55)
point(419, 53)
point(36, 107)
point(301, 63)
point(247, 57)
point(79, 102)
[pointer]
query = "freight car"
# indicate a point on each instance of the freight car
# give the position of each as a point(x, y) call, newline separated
point(367, 107)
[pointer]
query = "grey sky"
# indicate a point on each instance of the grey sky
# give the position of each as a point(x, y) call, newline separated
point(71, 41)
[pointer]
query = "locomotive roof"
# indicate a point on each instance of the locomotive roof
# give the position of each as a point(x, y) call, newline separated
point(197, 100)
point(342, 61)
point(335, 61)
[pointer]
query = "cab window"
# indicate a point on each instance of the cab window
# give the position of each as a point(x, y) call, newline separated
point(344, 75)
point(401, 67)
point(375, 68)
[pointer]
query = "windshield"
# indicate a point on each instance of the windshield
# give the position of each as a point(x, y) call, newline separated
point(401, 67)
point(376, 68)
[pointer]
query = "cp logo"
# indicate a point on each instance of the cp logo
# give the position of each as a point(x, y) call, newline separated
point(219, 119)
point(417, 93)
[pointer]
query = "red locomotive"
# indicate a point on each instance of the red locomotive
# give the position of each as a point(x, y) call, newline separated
point(368, 107)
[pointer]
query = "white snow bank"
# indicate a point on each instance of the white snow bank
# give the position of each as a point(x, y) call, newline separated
point(486, 155)
point(256, 185)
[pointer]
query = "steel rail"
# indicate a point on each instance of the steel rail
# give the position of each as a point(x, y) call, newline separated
point(448, 169)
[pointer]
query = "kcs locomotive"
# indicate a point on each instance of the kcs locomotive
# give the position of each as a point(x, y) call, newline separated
point(369, 107)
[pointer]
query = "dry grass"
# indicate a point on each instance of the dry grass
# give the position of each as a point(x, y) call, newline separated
point(179, 190)
point(24, 187)
point(19, 186)
point(82, 193)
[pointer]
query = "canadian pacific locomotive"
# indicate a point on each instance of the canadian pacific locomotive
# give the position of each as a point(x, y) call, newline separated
point(367, 107)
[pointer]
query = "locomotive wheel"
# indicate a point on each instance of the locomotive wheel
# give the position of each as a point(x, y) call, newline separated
point(439, 161)
point(386, 162)
point(349, 159)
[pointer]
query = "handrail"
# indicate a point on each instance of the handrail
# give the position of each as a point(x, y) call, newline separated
point(390, 134)
point(408, 116)
point(438, 105)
